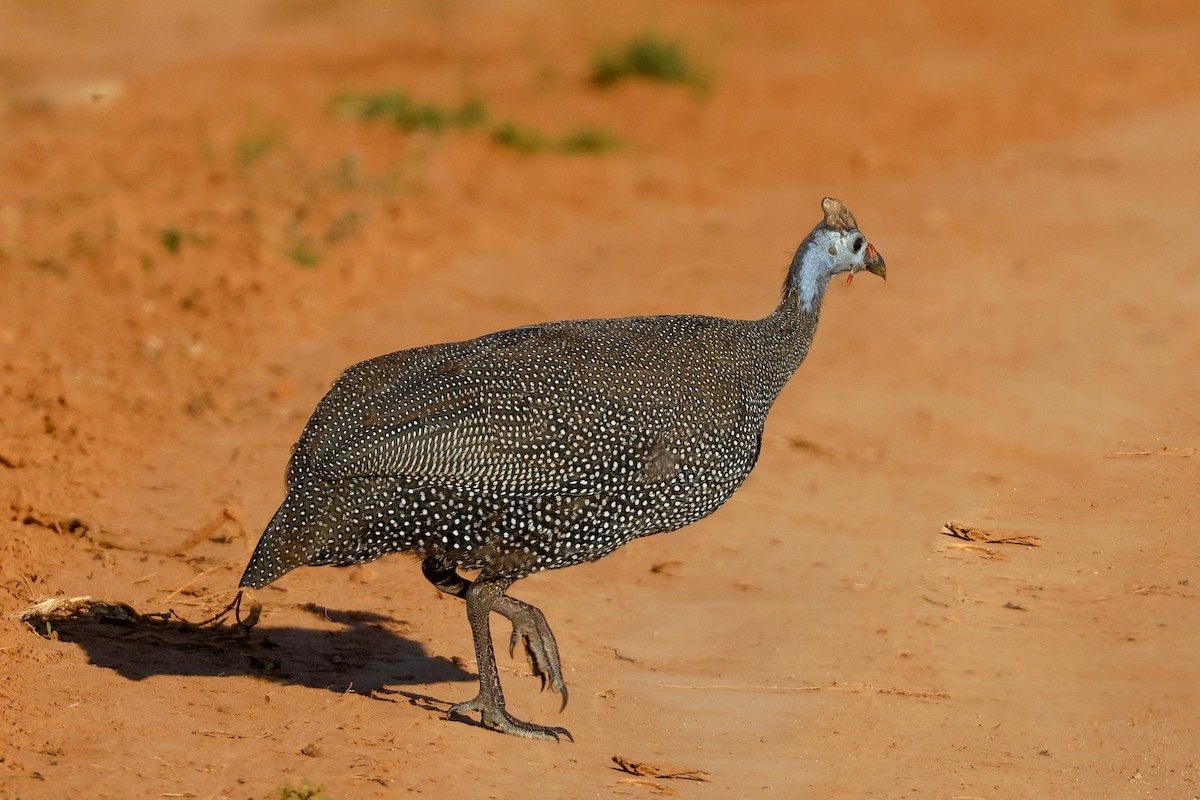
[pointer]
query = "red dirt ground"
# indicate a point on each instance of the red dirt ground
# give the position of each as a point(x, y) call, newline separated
point(1029, 170)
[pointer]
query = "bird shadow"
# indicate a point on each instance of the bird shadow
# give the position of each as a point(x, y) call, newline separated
point(362, 654)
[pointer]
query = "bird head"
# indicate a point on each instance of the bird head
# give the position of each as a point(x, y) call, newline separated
point(835, 246)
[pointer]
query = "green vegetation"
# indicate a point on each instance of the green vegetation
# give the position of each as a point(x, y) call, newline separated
point(253, 146)
point(308, 251)
point(521, 138)
point(173, 238)
point(648, 56)
point(303, 250)
point(525, 139)
point(586, 139)
point(305, 791)
point(408, 114)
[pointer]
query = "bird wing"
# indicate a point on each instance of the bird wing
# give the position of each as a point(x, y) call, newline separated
point(567, 408)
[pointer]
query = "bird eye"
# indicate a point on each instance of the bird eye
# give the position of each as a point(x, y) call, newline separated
point(857, 244)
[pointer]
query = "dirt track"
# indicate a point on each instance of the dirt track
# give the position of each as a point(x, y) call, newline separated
point(1030, 175)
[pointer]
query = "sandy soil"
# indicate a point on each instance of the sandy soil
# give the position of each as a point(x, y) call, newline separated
point(1028, 171)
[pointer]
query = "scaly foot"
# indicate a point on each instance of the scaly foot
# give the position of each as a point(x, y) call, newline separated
point(496, 718)
point(530, 628)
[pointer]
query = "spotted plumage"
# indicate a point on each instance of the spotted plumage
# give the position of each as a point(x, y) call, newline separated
point(544, 446)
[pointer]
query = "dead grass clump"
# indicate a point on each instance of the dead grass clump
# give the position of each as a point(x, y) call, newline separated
point(47, 615)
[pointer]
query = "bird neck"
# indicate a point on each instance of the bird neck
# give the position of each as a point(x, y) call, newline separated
point(809, 274)
point(795, 319)
point(785, 336)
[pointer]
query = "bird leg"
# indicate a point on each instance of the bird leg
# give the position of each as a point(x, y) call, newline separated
point(529, 627)
point(482, 596)
point(446, 580)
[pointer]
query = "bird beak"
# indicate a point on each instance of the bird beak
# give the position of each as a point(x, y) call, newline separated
point(873, 262)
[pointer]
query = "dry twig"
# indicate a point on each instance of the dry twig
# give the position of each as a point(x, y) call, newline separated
point(651, 771)
point(971, 534)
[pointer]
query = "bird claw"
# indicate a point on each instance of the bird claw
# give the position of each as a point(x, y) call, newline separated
point(531, 629)
point(494, 717)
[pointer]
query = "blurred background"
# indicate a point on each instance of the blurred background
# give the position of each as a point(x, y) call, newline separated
point(209, 209)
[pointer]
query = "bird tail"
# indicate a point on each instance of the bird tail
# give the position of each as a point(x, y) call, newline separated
point(277, 552)
point(316, 525)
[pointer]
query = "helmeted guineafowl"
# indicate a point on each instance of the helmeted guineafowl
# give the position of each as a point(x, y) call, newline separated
point(544, 446)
